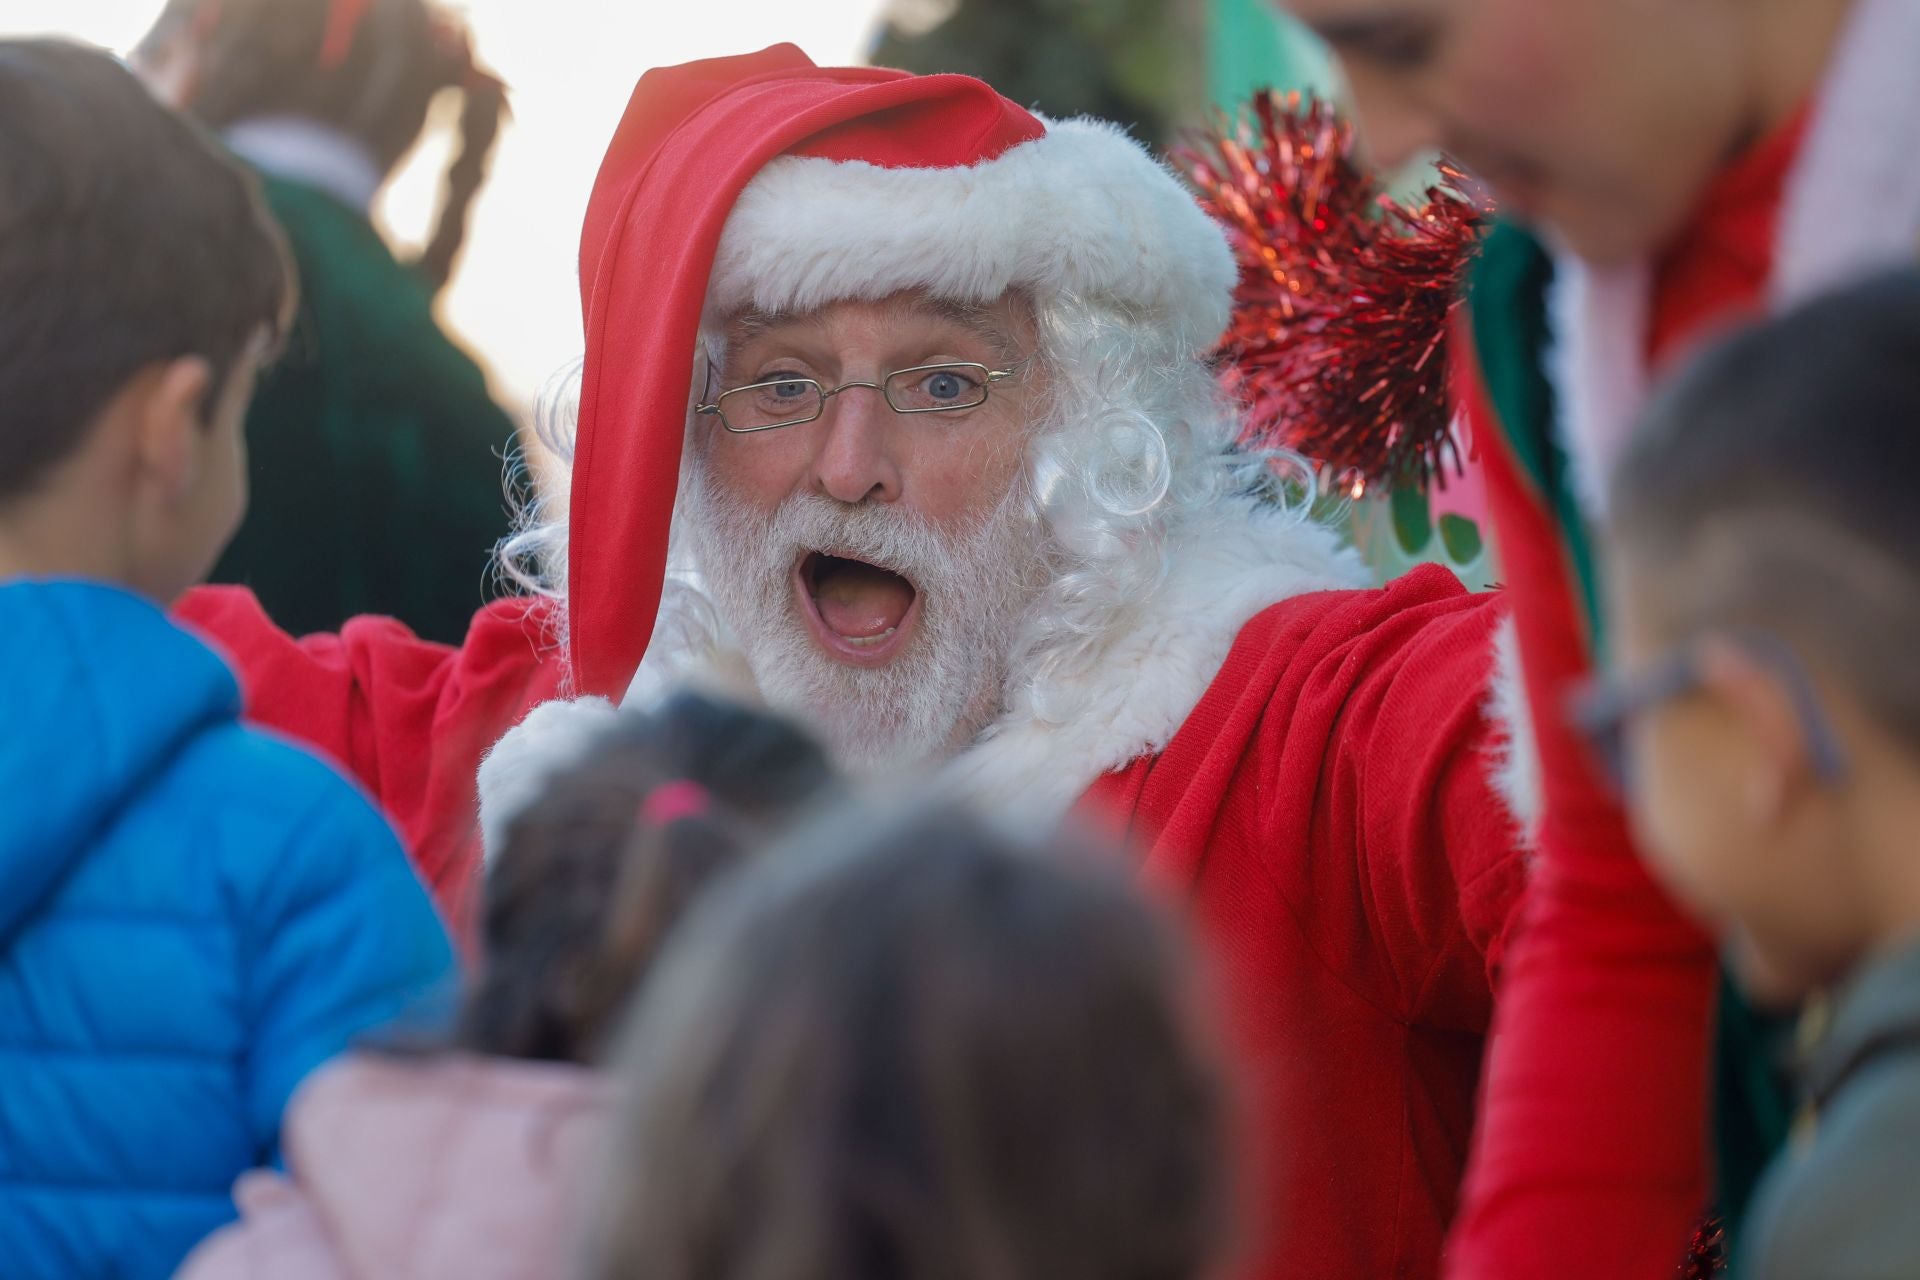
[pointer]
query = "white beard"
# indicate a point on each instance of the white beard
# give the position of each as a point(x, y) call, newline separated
point(948, 681)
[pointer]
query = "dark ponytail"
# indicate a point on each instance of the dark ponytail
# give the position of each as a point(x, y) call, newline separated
point(593, 875)
point(370, 68)
point(483, 108)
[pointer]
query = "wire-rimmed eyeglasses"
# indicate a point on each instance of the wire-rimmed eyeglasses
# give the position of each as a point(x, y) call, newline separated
point(788, 402)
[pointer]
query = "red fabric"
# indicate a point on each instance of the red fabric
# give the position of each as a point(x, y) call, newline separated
point(1326, 812)
point(411, 719)
point(1590, 1159)
point(1591, 1156)
point(691, 139)
point(1715, 272)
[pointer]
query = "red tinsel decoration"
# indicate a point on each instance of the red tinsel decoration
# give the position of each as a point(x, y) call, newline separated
point(1338, 341)
point(1707, 1252)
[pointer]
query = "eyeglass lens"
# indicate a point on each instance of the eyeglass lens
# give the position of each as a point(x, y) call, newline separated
point(794, 400)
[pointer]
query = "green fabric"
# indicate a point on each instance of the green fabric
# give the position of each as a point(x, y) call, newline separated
point(1754, 1097)
point(375, 448)
point(1511, 339)
point(1252, 46)
point(1753, 1101)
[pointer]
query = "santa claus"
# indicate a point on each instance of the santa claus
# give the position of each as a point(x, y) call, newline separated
point(895, 411)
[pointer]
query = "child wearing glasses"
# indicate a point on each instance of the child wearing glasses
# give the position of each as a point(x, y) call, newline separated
point(1764, 719)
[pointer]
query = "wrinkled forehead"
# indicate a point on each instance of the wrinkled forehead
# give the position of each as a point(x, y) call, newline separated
point(1005, 325)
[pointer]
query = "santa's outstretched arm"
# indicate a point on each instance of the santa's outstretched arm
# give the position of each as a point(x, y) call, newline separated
point(409, 719)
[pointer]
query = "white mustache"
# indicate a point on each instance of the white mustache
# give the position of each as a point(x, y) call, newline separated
point(895, 539)
point(974, 578)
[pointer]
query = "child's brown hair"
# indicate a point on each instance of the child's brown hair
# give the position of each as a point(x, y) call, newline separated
point(370, 68)
point(918, 1048)
point(126, 238)
point(594, 873)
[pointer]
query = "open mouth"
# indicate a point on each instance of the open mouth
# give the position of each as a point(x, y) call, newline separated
point(860, 612)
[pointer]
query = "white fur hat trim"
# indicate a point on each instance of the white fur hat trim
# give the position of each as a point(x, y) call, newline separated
point(1083, 210)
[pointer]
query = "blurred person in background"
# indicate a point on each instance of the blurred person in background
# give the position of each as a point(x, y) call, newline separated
point(1668, 169)
point(910, 1045)
point(376, 446)
point(1137, 63)
point(193, 914)
point(474, 1159)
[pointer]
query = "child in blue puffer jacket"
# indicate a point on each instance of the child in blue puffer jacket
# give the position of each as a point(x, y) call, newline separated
point(192, 914)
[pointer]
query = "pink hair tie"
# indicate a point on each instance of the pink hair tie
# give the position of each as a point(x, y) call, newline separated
point(671, 801)
point(343, 23)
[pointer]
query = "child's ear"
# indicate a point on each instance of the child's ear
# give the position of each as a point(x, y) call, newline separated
point(171, 424)
point(1763, 707)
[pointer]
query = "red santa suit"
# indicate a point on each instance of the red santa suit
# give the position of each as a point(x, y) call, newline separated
point(1303, 761)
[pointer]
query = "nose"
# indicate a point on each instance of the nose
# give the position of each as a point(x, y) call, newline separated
point(855, 461)
point(1395, 126)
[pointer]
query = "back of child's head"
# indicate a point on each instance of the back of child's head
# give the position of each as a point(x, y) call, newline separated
point(905, 1047)
point(594, 872)
point(369, 68)
point(126, 239)
point(1771, 488)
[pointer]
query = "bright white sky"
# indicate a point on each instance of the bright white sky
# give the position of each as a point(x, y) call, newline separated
point(572, 64)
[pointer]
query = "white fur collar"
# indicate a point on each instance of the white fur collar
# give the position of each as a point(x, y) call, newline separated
point(1128, 697)
point(1136, 691)
point(1852, 203)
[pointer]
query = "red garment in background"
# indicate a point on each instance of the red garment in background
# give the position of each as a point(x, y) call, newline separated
point(1715, 271)
point(1591, 1154)
point(1325, 810)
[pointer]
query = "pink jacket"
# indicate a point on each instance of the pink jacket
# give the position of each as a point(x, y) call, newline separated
point(419, 1169)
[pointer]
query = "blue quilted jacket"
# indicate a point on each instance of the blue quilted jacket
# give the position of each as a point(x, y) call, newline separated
point(193, 915)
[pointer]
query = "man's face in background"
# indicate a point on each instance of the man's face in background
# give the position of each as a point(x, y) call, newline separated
point(1600, 121)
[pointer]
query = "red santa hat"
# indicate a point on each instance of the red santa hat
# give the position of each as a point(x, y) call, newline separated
point(764, 180)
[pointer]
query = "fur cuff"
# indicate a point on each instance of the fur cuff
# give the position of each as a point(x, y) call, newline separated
point(552, 737)
point(1515, 764)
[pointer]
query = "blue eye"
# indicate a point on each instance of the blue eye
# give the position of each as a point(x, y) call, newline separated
point(938, 387)
point(777, 398)
point(947, 386)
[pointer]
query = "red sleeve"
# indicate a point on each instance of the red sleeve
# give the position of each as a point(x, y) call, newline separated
point(1590, 1157)
point(1325, 815)
point(1437, 845)
point(409, 718)
point(1352, 724)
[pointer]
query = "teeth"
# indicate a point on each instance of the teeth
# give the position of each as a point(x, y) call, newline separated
point(867, 642)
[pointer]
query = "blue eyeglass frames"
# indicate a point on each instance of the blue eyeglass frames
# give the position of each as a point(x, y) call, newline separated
point(1601, 708)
